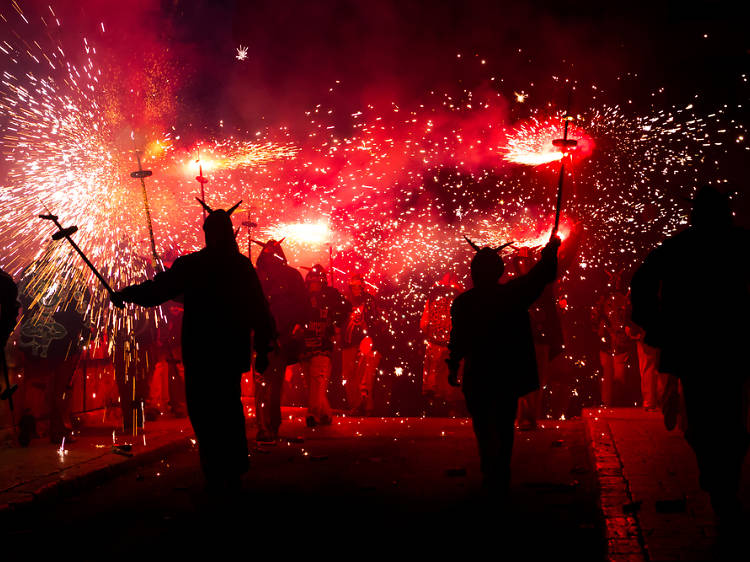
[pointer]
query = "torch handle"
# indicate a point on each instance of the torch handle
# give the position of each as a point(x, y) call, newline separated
point(80, 253)
point(91, 265)
point(558, 206)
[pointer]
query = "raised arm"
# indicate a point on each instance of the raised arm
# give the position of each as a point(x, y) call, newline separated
point(529, 287)
point(167, 285)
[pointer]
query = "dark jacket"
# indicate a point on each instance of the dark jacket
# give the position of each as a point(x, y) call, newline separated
point(491, 332)
point(8, 306)
point(224, 305)
point(691, 297)
point(285, 291)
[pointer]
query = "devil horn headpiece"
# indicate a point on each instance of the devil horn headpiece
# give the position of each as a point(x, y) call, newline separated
point(234, 207)
point(503, 246)
point(203, 204)
point(272, 242)
point(476, 248)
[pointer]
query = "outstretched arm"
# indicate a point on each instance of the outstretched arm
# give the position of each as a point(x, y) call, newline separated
point(165, 286)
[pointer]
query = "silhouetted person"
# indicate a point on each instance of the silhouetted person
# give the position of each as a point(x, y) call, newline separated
point(691, 297)
point(285, 290)
point(491, 332)
point(224, 306)
point(8, 307)
point(8, 314)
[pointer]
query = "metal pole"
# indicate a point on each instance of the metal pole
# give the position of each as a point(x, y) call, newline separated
point(65, 233)
point(141, 174)
point(565, 145)
point(201, 180)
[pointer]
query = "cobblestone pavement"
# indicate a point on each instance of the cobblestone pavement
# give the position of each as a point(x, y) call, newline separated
point(650, 498)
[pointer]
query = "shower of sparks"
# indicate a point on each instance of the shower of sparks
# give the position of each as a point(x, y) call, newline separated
point(302, 234)
point(394, 196)
point(530, 143)
point(241, 53)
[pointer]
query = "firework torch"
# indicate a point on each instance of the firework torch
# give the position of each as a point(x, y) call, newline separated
point(66, 233)
point(142, 174)
point(564, 144)
point(201, 179)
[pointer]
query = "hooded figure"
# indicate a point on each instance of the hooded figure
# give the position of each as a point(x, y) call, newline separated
point(225, 314)
point(697, 314)
point(284, 288)
point(491, 332)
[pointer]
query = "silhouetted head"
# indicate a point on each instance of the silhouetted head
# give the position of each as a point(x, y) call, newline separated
point(711, 209)
point(487, 266)
point(218, 228)
point(272, 255)
point(316, 278)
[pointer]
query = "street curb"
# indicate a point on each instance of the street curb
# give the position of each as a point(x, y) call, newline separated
point(623, 532)
point(65, 487)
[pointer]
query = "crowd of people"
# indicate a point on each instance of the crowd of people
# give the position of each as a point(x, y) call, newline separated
point(684, 326)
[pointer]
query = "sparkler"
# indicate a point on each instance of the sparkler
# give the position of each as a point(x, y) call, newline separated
point(390, 190)
point(141, 175)
point(202, 181)
point(66, 233)
point(565, 145)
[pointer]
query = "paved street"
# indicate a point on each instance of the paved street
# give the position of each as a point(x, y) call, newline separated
point(356, 488)
point(649, 478)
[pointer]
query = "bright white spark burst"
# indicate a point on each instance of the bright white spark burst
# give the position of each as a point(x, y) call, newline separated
point(385, 195)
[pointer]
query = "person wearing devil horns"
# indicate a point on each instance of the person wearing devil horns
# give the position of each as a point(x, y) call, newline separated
point(698, 317)
point(8, 314)
point(491, 333)
point(224, 307)
point(284, 288)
